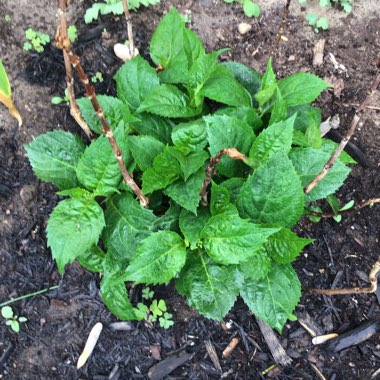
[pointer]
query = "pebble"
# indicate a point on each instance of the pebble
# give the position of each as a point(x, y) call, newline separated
point(244, 28)
point(291, 58)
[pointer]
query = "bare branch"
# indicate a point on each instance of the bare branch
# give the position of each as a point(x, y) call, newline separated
point(354, 123)
point(129, 28)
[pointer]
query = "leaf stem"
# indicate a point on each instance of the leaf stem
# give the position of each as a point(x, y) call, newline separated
point(28, 295)
point(129, 28)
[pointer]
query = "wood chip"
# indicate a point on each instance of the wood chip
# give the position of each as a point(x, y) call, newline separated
point(318, 52)
point(323, 338)
point(90, 344)
point(213, 355)
point(167, 366)
point(231, 346)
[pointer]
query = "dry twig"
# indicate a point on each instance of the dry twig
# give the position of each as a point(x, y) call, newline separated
point(131, 44)
point(354, 123)
point(64, 44)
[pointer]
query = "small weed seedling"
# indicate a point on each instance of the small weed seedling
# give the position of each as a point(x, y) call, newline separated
point(318, 23)
point(58, 100)
point(12, 320)
point(98, 77)
point(224, 154)
point(250, 8)
point(7, 18)
point(35, 40)
point(72, 32)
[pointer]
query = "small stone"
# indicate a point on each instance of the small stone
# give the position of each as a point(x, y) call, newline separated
point(244, 28)
point(292, 58)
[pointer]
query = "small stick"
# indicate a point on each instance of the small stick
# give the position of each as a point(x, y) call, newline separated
point(129, 28)
point(210, 170)
point(64, 44)
point(74, 109)
point(282, 25)
point(213, 355)
point(231, 346)
point(369, 202)
point(357, 290)
point(90, 344)
point(354, 123)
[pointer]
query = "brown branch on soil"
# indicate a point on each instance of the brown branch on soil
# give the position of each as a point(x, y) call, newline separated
point(211, 170)
point(282, 25)
point(129, 28)
point(369, 202)
point(64, 44)
point(74, 109)
point(357, 290)
point(354, 123)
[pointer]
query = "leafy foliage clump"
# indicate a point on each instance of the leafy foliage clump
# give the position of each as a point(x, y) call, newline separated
point(169, 123)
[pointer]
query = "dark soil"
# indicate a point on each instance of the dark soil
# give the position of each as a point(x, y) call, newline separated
point(59, 321)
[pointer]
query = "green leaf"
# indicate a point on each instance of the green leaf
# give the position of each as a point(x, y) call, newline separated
point(54, 156)
point(7, 312)
point(166, 169)
point(22, 319)
point(191, 162)
point(116, 299)
point(308, 163)
point(323, 23)
point(311, 18)
point(284, 246)
point(15, 326)
point(228, 132)
point(127, 223)
point(246, 114)
point(224, 88)
point(169, 220)
point(158, 259)
point(209, 287)
point(279, 110)
point(191, 225)
point(115, 112)
point(76, 192)
point(186, 193)
point(268, 85)
point(277, 137)
point(234, 186)
point(98, 169)
point(220, 200)
point(301, 88)
point(135, 80)
point(73, 228)
point(228, 239)
point(92, 259)
point(329, 147)
point(155, 126)
point(273, 194)
point(190, 136)
point(255, 268)
point(274, 298)
point(144, 150)
point(251, 9)
point(168, 101)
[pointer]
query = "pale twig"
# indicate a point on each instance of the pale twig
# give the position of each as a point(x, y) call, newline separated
point(129, 28)
point(357, 290)
point(354, 123)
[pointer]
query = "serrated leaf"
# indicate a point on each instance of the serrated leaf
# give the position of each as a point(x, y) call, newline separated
point(190, 136)
point(93, 259)
point(228, 239)
point(221, 200)
point(224, 88)
point(255, 268)
point(116, 299)
point(98, 169)
point(284, 246)
point(277, 137)
point(279, 110)
point(246, 114)
point(308, 163)
point(158, 259)
point(273, 194)
point(155, 126)
point(191, 162)
point(274, 298)
point(127, 223)
point(115, 112)
point(209, 287)
point(54, 156)
point(74, 227)
point(144, 150)
point(166, 169)
point(134, 81)
point(186, 193)
point(169, 220)
point(168, 101)
point(301, 88)
point(268, 85)
point(234, 186)
point(191, 225)
point(329, 147)
point(228, 132)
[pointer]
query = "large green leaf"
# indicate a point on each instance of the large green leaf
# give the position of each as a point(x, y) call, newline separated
point(191, 225)
point(186, 193)
point(246, 114)
point(191, 162)
point(221, 200)
point(190, 136)
point(209, 287)
point(168, 101)
point(308, 163)
point(127, 223)
point(224, 88)
point(158, 259)
point(255, 268)
point(134, 81)
point(144, 150)
point(273, 298)
point(54, 156)
point(93, 259)
point(284, 246)
point(301, 88)
point(268, 85)
point(73, 228)
point(228, 132)
point(228, 239)
point(277, 137)
point(273, 194)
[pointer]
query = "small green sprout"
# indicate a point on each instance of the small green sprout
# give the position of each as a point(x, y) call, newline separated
point(335, 205)
point(7, 18)
point(250, 8)
point(12, 320)
point(147, 294)
point(318, 23)
point(35, 40)
point(166, 321)
point(98, 77)
point(58, 100)
point(72, 32)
